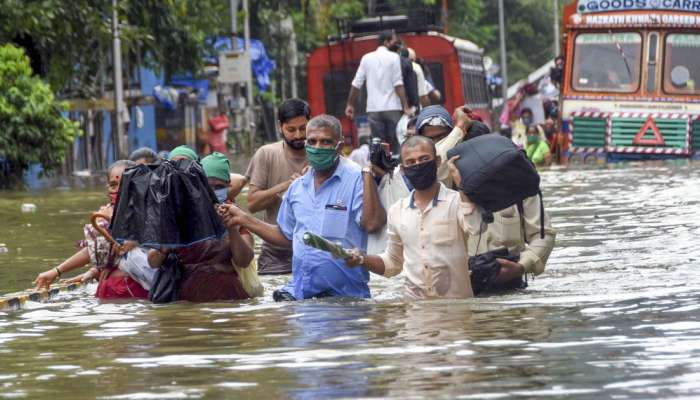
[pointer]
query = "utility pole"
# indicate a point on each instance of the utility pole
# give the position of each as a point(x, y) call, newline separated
point(444, 15)
point(120, 143)
point(250, 120)
point(555, 8)
point(504, 59)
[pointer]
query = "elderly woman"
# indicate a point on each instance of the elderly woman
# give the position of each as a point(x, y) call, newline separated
point(115, 282)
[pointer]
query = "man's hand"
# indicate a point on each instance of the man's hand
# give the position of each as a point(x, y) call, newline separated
point(356, 258)
point(232, 215)
point(509, 270)
point(350, 111)
point(294, 176)
point(461, 118)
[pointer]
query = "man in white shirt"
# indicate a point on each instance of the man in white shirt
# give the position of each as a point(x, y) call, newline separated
point(426, 231)
point(386, 97)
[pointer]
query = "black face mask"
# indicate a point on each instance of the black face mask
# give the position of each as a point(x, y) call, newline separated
point(422, 175)
point(295, 144)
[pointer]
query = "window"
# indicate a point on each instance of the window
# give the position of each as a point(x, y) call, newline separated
point(651, 62)
point(681, 64)
point(473, 80)
point(607, 62)
point(336, 87)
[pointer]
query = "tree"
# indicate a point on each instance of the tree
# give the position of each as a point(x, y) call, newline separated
point(32, 128)
point(70, 41)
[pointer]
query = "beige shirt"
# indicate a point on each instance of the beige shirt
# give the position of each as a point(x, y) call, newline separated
point(271, 165)
point(429, 245)
point(509, 230)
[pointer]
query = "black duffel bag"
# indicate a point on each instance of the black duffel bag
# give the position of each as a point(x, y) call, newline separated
point(496, 174)
point(483, 270)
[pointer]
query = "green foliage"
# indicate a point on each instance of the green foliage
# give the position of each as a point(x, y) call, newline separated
point(32, 129)
point(73, 38)
point(529, 30)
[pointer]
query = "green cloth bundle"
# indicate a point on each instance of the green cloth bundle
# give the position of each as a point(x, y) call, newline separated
point(320, 243)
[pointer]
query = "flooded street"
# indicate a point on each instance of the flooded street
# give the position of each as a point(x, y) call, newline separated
point(615, 315)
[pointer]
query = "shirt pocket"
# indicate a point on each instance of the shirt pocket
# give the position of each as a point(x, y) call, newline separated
point(507, 230)
point(443, 234)
point(335, 223)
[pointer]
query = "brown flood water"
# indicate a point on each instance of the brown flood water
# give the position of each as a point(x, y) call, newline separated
point(616, 315)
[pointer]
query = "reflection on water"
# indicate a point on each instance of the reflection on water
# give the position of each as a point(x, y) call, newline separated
point(616, 316)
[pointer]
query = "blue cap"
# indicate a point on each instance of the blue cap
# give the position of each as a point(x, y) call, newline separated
point(430, 112)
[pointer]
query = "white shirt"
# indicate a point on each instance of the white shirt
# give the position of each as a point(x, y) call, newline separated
point(420, 77)
point(381, 69)
point(429, 246)
point(360, 156)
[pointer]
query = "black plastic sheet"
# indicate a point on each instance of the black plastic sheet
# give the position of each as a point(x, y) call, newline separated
point(166, 204)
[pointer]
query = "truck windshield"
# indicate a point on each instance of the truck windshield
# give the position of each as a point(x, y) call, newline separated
point(607, 62)
point(682, 64)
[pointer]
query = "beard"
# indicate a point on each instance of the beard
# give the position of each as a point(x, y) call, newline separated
point(297, 144)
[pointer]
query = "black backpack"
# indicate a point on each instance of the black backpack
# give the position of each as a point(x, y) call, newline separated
point(496, 174)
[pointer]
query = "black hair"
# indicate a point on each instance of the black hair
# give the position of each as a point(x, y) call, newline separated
point(364, 139)
point(120, 163)
point(385, 35)
point(411, 122)
point(292, 108)
point(416, 140)
point(144, 152)
point(526, 109)
point(404, 52)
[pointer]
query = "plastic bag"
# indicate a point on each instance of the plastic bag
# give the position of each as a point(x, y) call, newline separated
point(166, 284)
point(250, 280)
point(166, 204)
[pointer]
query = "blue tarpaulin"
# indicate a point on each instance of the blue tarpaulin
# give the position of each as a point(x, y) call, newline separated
point(262, 65)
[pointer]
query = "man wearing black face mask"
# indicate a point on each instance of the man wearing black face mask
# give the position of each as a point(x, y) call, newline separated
point(270, 173)
point(426, 231)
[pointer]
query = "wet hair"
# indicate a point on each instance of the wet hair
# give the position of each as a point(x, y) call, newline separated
point(417, 140)
point(144, 152)
point(325, 121)
point(292, 108)
point(385, 35)
point(526, 110)
point(120, 164)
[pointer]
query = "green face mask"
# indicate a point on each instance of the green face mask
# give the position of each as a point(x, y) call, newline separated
point(533, 139)
point(320, 158)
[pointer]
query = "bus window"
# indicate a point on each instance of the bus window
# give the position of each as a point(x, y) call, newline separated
point(682, 65)
point(607, 62)
point(336, 87)
point(473, 80)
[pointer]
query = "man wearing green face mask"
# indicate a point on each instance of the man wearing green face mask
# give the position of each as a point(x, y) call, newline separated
point(335, 200)
point(537, 149)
